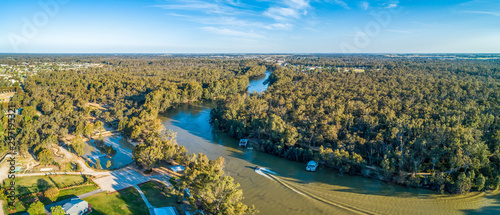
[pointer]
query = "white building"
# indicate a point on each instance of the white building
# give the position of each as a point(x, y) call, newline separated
point(76, 206)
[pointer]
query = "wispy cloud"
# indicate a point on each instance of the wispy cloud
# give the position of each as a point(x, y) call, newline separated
point(237, 19)
point(279, 26)
point(483, 12)
point(226, 7)
point(233, 33)
point(364, 5)
point(341, 3)
point(291, 9)
point(392, 5)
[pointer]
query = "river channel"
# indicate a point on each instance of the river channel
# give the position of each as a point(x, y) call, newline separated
point(292, 190)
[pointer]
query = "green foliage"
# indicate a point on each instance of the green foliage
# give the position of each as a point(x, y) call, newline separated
point(156, 147)
point(57, 210)
point(36, 208)
point(408, 116)
point(495, 183)
point(45, 157)
point(51, 193)
point(480, 181)
point(108, 164)
point(217, 192)
point(78, 145)
point(98, 163)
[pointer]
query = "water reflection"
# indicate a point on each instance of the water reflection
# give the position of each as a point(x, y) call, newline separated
point(122, 157)
point(257, 84)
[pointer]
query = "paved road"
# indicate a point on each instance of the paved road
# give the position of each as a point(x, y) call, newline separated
point(151, 208)
point(97, 174)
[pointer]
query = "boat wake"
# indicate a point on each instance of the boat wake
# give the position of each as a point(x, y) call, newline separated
point(268, 171)
point(275, 177)
point(258, 171)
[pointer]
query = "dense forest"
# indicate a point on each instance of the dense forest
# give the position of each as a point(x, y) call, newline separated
point(133, 89)
point(422, 122)
point(429, 123)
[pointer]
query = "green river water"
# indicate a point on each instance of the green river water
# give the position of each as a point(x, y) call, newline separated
point(292, 190)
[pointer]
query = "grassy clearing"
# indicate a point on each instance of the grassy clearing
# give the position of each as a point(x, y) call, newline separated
point(75, 191)
point(21, 205)
point(159, 195)
point(36, 184)
point(127, 201)
point(20, 208)
point(27, 185)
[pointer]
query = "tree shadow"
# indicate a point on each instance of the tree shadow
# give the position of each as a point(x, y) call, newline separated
point(96, 212)
point(60, 198)
point(54, 182)
point(42, 185)
point(21, 191)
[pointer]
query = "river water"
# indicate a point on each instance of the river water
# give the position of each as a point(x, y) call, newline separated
point(288, 189)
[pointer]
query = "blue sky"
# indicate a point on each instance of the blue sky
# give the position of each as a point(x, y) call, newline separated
point(259, 26)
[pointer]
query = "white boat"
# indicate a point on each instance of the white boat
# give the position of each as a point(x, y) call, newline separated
point(312, 166)
point(243, 143)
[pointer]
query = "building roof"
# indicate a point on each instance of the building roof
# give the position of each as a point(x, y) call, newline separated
point(166, 211)
point(177, 168)
point(312, 163)
point(75, 206)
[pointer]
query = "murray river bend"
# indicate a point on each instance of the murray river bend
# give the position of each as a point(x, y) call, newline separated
point(292, 190)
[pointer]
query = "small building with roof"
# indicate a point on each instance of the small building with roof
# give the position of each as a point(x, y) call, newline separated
point(76, 206)
point(178, 168)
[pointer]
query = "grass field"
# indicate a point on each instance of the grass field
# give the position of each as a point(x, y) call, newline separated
point(159, 196)
point(27, 185)
point(127, 201)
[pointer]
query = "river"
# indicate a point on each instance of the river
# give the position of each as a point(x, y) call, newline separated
point(292, 190)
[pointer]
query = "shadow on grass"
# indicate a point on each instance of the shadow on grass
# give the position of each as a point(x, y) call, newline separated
point(127, 201)
point(53, 182)
point(60, 198)
point(42, 185)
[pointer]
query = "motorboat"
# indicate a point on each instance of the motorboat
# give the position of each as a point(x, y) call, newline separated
point(312, 166)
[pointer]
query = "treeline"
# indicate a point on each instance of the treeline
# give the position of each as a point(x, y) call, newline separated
point(397, 123)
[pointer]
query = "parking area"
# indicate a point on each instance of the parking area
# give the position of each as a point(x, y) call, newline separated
point(121, 179)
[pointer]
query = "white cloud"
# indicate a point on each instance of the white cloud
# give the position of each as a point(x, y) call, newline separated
point(484, 12)
point(299, 4)
point(279, 26)
point(282, 14)
point(294, 10)
point(341, 3)
point(364, 5)
point(201, 6)
point(233, 33)
point(393, 5)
